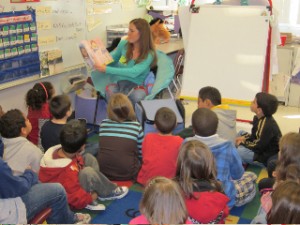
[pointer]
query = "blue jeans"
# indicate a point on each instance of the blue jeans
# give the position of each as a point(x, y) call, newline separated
point(246, 154)
point(92, 148)
point(128, 88)
point(53, 195)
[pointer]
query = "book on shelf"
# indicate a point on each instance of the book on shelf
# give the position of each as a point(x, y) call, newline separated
point(94, 51)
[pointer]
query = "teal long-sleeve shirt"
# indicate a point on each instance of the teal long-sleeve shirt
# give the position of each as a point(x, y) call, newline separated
point(135, 72)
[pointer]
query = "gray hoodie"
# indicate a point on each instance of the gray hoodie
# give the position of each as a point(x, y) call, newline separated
point(227, 124)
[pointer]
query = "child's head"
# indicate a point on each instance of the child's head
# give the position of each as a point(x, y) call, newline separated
point(39, 94)
point(14, 124)
point(285, 204)
point(204, 122)
point(60, 106)
point(120, 108)
point(264, 104)
point(209, 97)
point(195, 162)
point(73, 136)
point(163, 203)
point(165, 120)
point(289, 154)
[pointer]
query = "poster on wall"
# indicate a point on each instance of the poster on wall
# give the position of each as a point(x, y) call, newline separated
point(19, 57)
point(23, 1)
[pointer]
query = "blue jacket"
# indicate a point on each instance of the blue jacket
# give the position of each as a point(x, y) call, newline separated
point(12, 188)
point(15, 186)
point(228, 163)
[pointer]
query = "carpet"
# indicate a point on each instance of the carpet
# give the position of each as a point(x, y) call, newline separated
point(123, 210)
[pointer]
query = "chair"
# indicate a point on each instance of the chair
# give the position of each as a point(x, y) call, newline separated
point(178, 65)
point(164, 76)
point(41, 217)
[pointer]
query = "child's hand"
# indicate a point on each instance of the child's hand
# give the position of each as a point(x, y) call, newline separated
point(239, 140)
point(94, 195)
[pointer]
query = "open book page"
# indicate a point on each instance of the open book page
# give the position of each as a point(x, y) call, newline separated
point(94, 51)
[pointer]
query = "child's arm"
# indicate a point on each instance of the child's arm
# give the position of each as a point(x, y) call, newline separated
point(265, 134)
point(236, 167)
point(14, 186)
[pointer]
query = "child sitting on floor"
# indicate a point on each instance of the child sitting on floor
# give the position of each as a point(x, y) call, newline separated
point(19, 153)
point(61, 110)
point(162, 203)
point(80, 175)
point(238, 185)
point(288, 168)
point(120, 140)
point(38, 109)
point(160, 150)
point(286, 204)
point(197, 175)
point(262, 144)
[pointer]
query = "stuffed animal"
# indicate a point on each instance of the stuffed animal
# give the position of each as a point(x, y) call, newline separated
point(160, 33)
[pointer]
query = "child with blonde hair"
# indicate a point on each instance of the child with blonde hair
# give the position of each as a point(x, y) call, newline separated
point(120, 140)
point(162, 203)
point(197, 175)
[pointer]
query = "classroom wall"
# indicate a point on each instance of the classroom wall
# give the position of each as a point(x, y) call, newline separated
point(13, 97)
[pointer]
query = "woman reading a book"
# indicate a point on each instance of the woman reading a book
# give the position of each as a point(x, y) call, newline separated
point(133, 59)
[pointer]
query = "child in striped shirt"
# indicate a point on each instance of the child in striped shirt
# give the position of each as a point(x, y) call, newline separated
point(120, 140)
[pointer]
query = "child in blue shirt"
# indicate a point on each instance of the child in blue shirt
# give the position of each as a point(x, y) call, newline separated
point(238, 185)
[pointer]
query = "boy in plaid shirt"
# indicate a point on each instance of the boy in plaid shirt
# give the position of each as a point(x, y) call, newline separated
point(238, 185)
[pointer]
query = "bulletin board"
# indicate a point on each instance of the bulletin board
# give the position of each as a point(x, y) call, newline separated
point(62, 24)
point(59, 27)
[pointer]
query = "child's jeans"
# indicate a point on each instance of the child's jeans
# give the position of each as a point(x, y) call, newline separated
point(134, 92)
point(51, 195)
point(246, 154)
point(91, 179)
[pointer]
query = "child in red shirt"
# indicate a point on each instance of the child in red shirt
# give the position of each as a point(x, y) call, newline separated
point(160, 150)
point(38, 108)
point(196, 174)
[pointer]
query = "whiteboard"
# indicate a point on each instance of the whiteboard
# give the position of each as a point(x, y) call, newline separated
point(60, 25)
point(226, 48)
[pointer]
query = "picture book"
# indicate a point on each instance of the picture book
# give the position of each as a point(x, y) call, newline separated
point(94, 51)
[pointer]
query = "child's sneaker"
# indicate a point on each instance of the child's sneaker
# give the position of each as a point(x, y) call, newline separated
point(81, 218)
point(118, 193)
point(95, 206)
